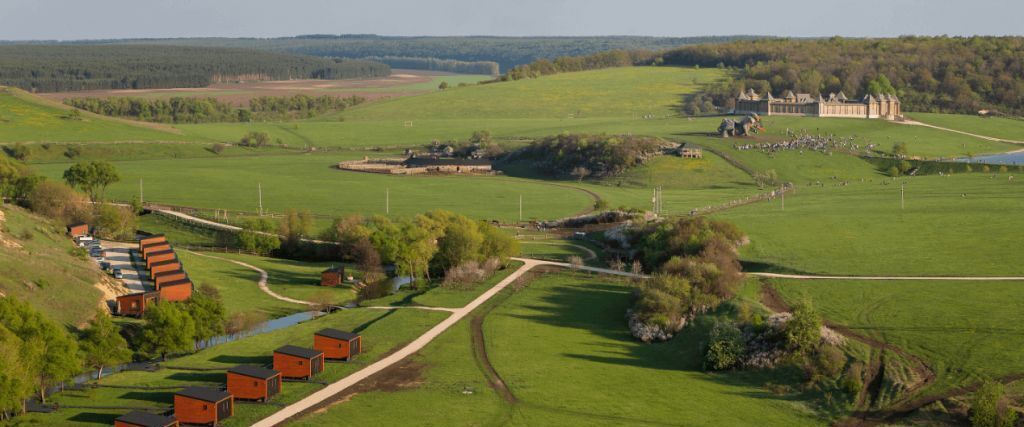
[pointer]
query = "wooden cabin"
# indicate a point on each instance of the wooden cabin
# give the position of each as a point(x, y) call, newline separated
point(155, 257)
point(298, 362)
point(154, 247)
point(135, 304)
point(337, 344)
point(253, 382)
point(145, 419)
point(156, 238)
point(201, 405)
point(78, 229)
point(163, 266)
point(176, 290)
point(168, 276)
point(334, 276)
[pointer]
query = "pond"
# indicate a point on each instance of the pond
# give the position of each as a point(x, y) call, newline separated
point(1011, 158)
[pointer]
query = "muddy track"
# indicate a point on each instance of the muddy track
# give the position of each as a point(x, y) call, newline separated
point(476, 326)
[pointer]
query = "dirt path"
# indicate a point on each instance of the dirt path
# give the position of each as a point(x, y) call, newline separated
point(590, 252)
point(989, 138)
point(262, 283)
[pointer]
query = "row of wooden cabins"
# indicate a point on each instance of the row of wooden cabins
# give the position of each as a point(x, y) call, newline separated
point(202, 405)
point(170, 281)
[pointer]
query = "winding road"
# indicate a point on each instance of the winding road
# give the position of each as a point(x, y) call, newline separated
point(262, 283)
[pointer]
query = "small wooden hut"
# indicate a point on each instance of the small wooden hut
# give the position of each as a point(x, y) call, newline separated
point(201, 405)
point(298, 362)
point(339, 345)
point(253, 382)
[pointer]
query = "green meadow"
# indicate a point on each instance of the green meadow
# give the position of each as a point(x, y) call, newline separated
point(964, 331)
point(964, 224)
point(562, 348)
point(27, 118)
point(996, 127)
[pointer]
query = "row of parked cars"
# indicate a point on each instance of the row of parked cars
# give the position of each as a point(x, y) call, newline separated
point(96, 251)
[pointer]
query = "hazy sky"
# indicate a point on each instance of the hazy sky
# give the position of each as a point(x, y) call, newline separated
point(91, 19)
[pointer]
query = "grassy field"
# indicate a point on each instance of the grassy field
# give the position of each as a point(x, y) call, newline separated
point(297, 279)
point(310, 182)
point(955, 225)
point(237, 285)
point(996, 127)
point(27, 118)
point(561, 346)
point(965, 331)
point(40, 264)
point(382, 332)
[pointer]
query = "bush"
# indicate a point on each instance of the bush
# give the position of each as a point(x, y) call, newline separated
point(374, 290)
point(989, 408)
point(217, 148)
point(829, 360)
point(803, 331)
point(725, 347)
point(894, 171)
point(852, 380)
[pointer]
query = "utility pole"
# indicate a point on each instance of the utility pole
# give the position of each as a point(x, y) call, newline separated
point(387, 201)
point(259, 188)
point(141, 200)
point(520, 208)
point(783, 196)
point(901, 195)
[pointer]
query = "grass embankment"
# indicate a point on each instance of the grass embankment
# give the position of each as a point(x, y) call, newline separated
point(382, 331)
point(299, 279)
point(996, 127)
point(28, 118)
point(562, 348)
point(960, 225)
point(40, 264)
point(965, 331)
point(237, 285)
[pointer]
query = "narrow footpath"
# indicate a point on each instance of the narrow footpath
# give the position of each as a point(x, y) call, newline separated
point(262, 283)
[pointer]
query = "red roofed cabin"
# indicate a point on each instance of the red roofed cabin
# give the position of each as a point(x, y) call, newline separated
point(333, 276)
point(298, 362)
point(154, 247)
point(200, 405)
point(155, 257)
point(135, 304)
point(78, 229)
point(253, 382)
point(156, 238)
point(144, 419)
point(163, 266)
point(177, 290)
point(168, 276)
point(337, 344)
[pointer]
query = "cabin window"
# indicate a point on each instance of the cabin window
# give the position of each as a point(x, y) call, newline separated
point(255, 383)
point(206, 407)
point(340, 345)
point(300, 363)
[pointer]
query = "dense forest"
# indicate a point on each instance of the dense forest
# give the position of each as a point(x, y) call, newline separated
point(68, 67)
point(506, 51)
point(209, 110)
point(435, 64)
point(936, 74)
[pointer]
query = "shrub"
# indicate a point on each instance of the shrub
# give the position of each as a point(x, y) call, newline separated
point(989, 408)
point(803, 331)
point(217, 148)
point(852, 380)
point(374, 290)
point(894, 171)
point(830, 360)
point(725, 347)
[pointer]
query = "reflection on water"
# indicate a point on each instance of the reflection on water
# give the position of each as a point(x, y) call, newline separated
point(1013, 158)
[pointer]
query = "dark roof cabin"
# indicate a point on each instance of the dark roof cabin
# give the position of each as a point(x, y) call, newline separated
point(298, 362)
point(337, 344)
point(135, 304)
point(145, 419)
point(333, 276)
point(201, 405)
point(253, 382)
point(163, 266)
point(78, 229)
point(154, 247)
point(155, 238)
point(176, 290)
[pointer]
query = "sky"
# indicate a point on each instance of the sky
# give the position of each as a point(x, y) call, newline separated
point(99, 19)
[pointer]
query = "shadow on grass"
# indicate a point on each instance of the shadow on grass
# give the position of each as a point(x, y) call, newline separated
point(246, 360)
point(150, 396)
point(206, 377)
point(94, 418)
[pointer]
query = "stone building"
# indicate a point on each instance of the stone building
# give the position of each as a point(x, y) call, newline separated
point(835, 105)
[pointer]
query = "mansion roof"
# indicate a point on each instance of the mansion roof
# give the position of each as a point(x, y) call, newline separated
point(806, 98)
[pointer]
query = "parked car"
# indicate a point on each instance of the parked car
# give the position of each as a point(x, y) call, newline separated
point(118, 274)
point(104, 265)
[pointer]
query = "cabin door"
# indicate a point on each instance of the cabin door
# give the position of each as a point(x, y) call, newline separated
point(224, 409)
point(273, 386)
point(353, 347)
point(318, 365)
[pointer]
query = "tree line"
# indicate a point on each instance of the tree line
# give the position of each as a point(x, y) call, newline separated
point(207, 110)
point(506, 51)
point(434, 64)
point(73, 67)
point(933, 74)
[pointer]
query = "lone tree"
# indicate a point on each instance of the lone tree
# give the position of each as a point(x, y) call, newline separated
point(580, 172)
point(168, 329)
point(92, 177)
point(102, 344)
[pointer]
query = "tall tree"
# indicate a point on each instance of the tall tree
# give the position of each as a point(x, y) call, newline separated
point(92, 177)
point(208, 314)
point(102, 344)
point(15, 384)
point(168, 329)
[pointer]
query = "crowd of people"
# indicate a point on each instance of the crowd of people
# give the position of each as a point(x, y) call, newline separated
point(803, 141)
